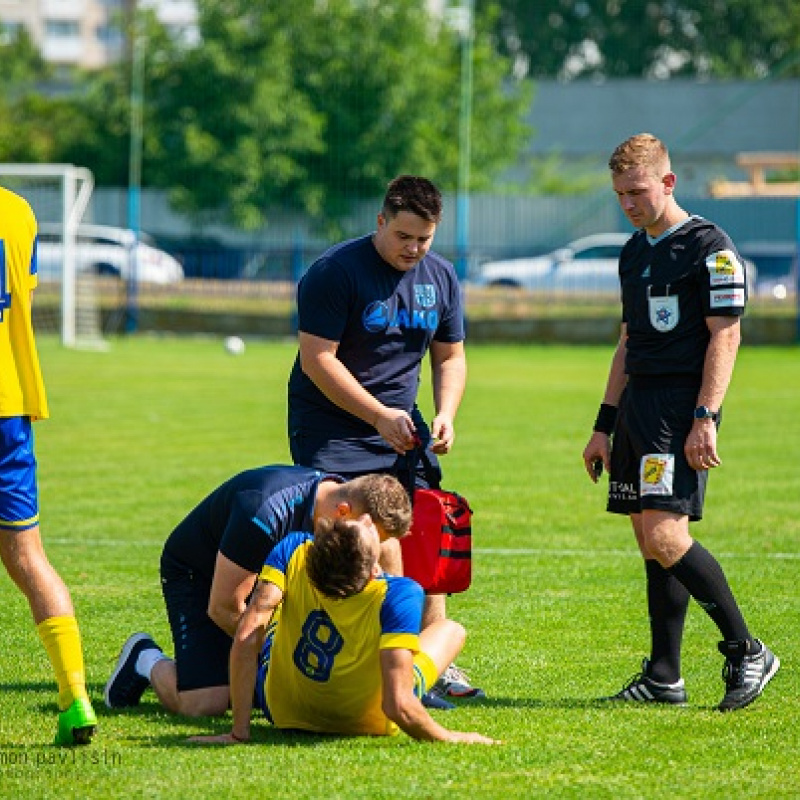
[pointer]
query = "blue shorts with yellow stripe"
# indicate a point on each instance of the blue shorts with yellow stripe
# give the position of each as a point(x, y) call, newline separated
point(19, 494)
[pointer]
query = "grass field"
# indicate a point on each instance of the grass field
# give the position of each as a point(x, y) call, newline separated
point(555, 617)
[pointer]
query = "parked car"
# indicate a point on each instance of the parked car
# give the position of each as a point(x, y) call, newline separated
point(585, 265)
point(777, 264)
point(210, 258)
point(107, 250)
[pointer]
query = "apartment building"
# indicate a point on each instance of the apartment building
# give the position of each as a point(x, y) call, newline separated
point(88, 33)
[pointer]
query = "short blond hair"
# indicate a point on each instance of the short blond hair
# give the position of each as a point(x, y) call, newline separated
point(384, 498)
point(643, 150)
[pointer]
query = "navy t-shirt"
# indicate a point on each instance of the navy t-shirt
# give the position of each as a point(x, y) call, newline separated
point(384, 320)
point(246, 517)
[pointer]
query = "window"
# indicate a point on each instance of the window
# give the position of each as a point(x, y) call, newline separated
point(62, 28)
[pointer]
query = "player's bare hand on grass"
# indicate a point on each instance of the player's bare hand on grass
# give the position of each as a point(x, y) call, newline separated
point(458, 737)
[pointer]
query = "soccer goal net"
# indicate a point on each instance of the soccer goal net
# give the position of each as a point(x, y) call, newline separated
point(67, 299)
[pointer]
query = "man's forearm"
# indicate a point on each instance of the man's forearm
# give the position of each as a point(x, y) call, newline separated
point(449, 382)
point(339, 385)
point(718, 367)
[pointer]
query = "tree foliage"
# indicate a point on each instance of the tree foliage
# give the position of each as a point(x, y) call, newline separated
point(308, 105)
point(651, 38)
point(20, 62)
point(302, 106)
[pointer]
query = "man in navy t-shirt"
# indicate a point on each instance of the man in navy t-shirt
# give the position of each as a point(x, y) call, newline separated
point(369, 310)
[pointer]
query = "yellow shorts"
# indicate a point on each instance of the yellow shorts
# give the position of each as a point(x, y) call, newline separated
point(425, 674)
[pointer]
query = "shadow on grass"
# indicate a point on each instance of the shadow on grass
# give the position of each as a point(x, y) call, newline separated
point(166, 730)
point(563, 703)
point(261, 733)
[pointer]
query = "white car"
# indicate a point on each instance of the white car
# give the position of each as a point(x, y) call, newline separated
point(107, 251)
point(588, 265)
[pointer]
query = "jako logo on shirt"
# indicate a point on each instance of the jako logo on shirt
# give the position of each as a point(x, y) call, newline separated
point(378, 317)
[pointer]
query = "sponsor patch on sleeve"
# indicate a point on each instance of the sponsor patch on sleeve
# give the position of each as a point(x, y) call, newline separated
point(727, 298)
point(656, 474)
point(724, 268)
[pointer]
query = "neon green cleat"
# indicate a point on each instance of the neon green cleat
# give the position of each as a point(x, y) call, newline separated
point(77, 724)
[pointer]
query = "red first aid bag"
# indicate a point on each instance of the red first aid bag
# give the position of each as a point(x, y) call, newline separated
point(437, 553)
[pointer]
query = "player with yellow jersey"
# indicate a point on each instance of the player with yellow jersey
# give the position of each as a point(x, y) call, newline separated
point(345, 655)
point(23, 400)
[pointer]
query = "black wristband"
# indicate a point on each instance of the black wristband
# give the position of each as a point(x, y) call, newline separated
point(606, 419)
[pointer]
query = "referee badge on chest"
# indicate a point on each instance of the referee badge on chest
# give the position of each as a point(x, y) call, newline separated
point(664, 310)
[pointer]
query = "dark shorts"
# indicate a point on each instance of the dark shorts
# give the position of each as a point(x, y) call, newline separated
point(19, 495)
point(648, 466)
point(202, 648)
point(359, 455)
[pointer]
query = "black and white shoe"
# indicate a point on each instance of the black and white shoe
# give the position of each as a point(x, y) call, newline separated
point(643, 689)
point(454, 682)
point(126, 686)
point(745, 674)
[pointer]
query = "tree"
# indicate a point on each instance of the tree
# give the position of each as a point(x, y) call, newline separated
point(21, 64)
point(308, 105)
point(303, 106)
point(651, 38)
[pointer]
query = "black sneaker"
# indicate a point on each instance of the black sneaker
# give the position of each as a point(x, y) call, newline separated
point(126, 686)
point(745, 674)
point(643, 689)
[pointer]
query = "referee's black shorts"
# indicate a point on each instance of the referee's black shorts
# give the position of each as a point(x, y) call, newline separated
point(649, 469)
point(202, 648)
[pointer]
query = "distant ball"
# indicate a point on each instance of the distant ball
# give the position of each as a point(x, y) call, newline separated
point(234, 345)
point(779, 291)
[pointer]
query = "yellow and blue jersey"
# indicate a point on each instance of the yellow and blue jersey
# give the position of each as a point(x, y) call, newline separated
point(21, 386)
point(324, 668)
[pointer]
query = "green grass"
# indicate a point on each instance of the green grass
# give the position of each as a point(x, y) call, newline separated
point(555, 617)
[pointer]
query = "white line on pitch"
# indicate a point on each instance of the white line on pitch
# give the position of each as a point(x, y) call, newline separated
point(482, 551)
point(589, 552)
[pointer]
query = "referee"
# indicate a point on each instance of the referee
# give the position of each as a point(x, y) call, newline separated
point(683, 295)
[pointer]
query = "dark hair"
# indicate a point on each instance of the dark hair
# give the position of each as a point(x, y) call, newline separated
point(339, 561)
point(413, 194)
point(384, 498)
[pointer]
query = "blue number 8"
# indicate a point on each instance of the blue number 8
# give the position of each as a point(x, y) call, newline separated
point(5, 295)
point(319, 643)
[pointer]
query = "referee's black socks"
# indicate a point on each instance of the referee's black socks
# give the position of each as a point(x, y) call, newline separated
point(705, 581)
point(667, 602)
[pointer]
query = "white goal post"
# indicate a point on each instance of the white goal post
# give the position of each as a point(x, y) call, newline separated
point(59, 195)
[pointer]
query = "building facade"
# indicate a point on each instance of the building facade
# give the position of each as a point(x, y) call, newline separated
point(89, 33)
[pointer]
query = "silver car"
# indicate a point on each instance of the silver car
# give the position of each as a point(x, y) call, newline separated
point(588, 265)
point(106, 250)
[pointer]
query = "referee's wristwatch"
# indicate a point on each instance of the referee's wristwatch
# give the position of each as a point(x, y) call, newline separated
point(703, 412)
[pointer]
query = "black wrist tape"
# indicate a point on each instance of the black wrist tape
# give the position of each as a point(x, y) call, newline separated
point(606, 419)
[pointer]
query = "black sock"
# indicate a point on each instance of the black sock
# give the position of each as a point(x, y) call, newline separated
point(667, 602)
point(702, 575)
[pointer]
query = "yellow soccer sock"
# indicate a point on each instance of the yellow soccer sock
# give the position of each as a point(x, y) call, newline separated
point(62, 641)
